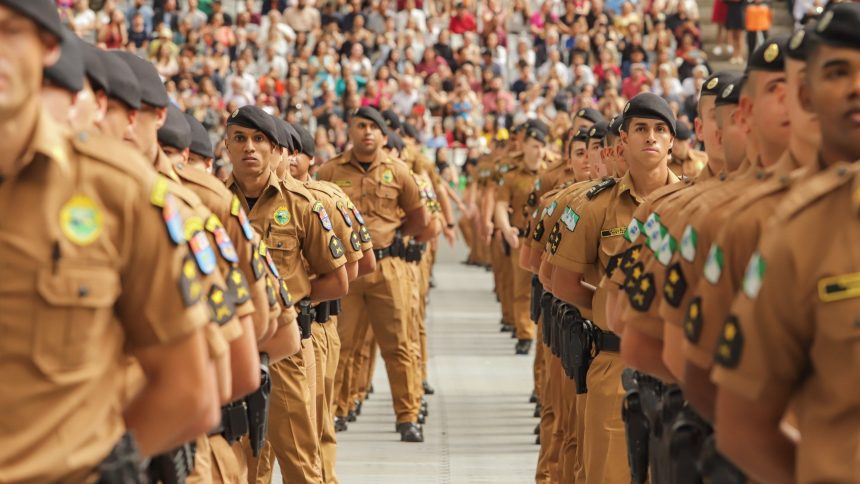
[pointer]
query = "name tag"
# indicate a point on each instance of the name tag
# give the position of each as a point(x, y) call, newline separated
point(613, 232)
point(343, 183)
point(837, 288)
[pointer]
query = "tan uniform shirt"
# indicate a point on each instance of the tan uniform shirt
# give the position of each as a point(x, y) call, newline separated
point(294, 233)
point(518, 188)
point(546, 216)
point(89, 269)
point(340, 218)
point(738, 231)
point(378, 193)
point(793, 332)
point(690, 166)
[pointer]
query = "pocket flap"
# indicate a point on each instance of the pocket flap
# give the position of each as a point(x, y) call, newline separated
point(92, 287)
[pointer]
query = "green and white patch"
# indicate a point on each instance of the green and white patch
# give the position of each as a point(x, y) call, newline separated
point(667, 248)
point(634, 230)
point(569, 218)
point(551, 207)
point(714, 264)
point(657, 237)
point(754, 275)
point(652, 226)
point(688, 243)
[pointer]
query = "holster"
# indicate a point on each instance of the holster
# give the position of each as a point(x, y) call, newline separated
point(714, 467)
point(173, 467)
point(398, 247)
point(537, 293)
point(334, 307)
point(258, 408)
point(548, 318)
point(635, 428)
point(123, 464)
point(322, 311)
point(582, 342)
point(306, 317)
point(687, 436)
point(557, 310)
point(413, 252)
point(506, 247)
point(234, 421)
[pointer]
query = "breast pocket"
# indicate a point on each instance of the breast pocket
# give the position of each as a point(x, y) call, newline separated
point(386, 199)
point(837, 342)
point(75, 319)
point(284, 247)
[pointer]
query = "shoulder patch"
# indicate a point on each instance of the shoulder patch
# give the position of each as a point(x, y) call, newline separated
point(319, 209)
point(688, 243)
point(730, 345)
point(341, 207)
point(539, 230)
point(356, 213)
point(364, 234)
point(632, 279)
point(675, 286)
point(554, 239)
point(237, 211)
point(643, 294)
point(633, 231)
point(755, 273)
point(569, 218)
point(271, 295)
point(199, 244)
point(286, 298)
point(263, 250)
point(714, 264)
point(220, 306)
point(257, 265)
point(596, 189)
point(355, 242)
point(693, 320)
point(238, 286)
point(631, 256)
point(189, 282)
point(222, 240)
point(335, 246)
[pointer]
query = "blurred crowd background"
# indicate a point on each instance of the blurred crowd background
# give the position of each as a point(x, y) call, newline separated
point(461, 71)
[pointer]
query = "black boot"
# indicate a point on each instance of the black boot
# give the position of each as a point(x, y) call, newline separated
point(523, 346)
point(358, 404)
point(340, 424)
point(351, 416)
point(410, 432)
point(537, 429)
point(537, 411)
point(533, 398)
point(428, 390)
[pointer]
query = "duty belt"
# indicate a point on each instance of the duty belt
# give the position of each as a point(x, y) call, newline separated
point(123, 464)
point(306, 317)
point(390, 251)
point(234, 421)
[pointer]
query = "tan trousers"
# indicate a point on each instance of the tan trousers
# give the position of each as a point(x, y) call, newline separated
point(378, 300)
point(501, 265)
point(327, 351)
point(604, 441)
point(551, 406)
point(293, 436)
point(521, 292)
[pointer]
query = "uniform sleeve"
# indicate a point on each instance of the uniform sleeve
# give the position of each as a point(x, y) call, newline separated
point(763, 348)
point(159, 303)
point(321, 246)
point(503, 190)
point(410, 196)
point(341, 229)
point(578, 230)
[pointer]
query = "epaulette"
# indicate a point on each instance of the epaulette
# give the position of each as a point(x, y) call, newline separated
point(808, 191)
point(97, 146)
point(203, 179)
point(293, 186)
point(596, 189)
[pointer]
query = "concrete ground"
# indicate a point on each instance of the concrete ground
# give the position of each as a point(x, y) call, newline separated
point(480, 427)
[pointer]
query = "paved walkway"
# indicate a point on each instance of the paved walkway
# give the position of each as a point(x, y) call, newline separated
point(480, 427)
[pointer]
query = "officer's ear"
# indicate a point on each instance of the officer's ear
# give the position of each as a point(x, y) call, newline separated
point(161, 114)
point(52, 49)
point(623, 134)
point(697, 127)
point(804, 94)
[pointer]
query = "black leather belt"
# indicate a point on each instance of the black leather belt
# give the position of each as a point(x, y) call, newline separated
point(608, 341)
point(382, 253)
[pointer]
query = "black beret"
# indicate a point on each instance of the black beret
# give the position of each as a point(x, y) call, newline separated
point(519, 127)
point(731, 93)
point(561, 103)
point(650, 105)
point(152, 90)
point(201, 143)
point(395, 141)
point(615, 125)
point(43, 12)
point(598, 130)
point(536, 133)
point(176, 132)
point(94, 67)
point(682, 131)
point(307, 140)
point(410, 131)
point(581, 135)
point(590, 114)
point(68, 71)
point(295, 139)
point(391, 119)
point(797, 45)
point(839, 25)
point(284, 138)
point(255, 118)
point(538, 125)
point(122, 84)
point(372, 114)
point(769, 56)
point(718, 81)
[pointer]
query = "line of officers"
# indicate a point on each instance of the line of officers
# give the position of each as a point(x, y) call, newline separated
point(703, 328)
point(162, 326)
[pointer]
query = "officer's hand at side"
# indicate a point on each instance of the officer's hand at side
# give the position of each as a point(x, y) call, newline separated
point(512, 235)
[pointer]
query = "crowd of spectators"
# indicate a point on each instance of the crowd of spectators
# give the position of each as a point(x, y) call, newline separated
point(459, 70)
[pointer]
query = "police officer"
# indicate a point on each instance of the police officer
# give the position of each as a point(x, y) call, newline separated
point(790, 332)
point(200, 151)
point(379, 187)
point(64, 79)
point(686, 160)
point(292, 228)
point(83, 199)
